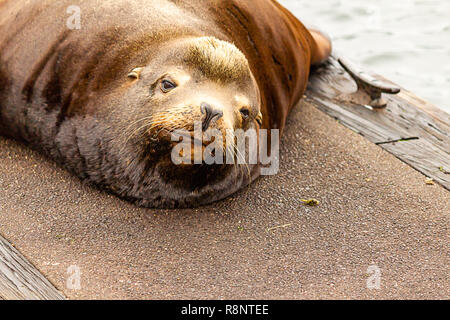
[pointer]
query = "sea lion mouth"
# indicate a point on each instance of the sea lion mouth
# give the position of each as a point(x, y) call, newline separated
point(193, 145)
point(174, 137)
point(191, 136)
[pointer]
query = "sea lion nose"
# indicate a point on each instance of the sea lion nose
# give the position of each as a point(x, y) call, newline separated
point(210, 113)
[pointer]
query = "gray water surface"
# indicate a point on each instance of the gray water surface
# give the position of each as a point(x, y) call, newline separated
point(407, 41)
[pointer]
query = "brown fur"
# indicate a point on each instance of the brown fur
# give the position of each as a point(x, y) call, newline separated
point(218, 60)
point(67, 92)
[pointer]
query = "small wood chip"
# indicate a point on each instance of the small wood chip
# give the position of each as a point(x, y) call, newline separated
point(310, 202)
point(443, 170)
point(279, 227)
point(429, 181)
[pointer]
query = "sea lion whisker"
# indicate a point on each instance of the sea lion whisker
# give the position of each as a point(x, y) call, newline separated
point(130, 135)
point(126, 131)
point(245, 164)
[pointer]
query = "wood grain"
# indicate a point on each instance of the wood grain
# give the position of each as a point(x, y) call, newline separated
point(410, 128)
point(20, 280)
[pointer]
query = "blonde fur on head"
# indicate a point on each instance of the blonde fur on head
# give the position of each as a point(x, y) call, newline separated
point(217, 59)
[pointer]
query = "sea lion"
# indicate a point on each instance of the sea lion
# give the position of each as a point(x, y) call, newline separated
point(99, 86)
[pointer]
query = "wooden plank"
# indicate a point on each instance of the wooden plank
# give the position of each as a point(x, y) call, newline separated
point(408, 127)
point(20, 280)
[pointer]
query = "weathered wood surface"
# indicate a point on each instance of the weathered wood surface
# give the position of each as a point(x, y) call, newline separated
point(411, 129)
point(20, 280)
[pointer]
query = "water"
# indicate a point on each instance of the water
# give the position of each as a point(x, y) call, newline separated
point(407, 41)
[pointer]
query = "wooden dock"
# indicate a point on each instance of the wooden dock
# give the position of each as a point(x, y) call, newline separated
point(408, 127)
point(20, 280)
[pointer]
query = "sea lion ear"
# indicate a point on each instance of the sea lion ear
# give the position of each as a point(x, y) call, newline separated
point(135, 73)
point(259, 118)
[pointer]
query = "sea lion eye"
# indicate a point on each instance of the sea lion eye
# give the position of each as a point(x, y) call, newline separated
point(167, 85)
point(245, 113)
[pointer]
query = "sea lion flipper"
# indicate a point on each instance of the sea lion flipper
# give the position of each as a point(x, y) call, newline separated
point(323, 46)
point(372, 86)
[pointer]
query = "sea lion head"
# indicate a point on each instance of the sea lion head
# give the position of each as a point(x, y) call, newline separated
point(195, 81)
point(200, 79)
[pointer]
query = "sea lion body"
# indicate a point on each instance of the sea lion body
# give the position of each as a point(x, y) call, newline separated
point(65, 91)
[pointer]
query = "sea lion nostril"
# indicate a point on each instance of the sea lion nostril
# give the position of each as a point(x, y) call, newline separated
point(208, 110)
point(210, 113)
